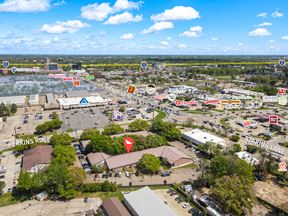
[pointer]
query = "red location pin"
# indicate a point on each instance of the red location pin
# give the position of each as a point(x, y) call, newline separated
point(128, 143)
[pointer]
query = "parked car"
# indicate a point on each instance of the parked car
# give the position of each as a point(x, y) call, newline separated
point(165, 173)
point(185, 205)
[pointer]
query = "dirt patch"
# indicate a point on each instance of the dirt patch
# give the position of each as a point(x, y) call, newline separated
point(273, 193)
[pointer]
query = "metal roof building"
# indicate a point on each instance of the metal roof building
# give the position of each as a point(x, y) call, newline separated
point(113, 207)
point(200, 137)
point(34, 99)
point(74, 102)
point(145, 202)
point(18, 100)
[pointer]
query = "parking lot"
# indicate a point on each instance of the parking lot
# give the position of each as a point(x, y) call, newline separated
point(172, 203)
point(12, 165)
point(75, 207)
point(177, 175)
point(80, 119)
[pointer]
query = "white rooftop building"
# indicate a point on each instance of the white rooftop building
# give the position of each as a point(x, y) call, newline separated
point(181, 89)
point(34, 99)
point(18, 100)
point(68, 103)
point(247, 157)
point(200, 137)
point(242, 92)
point(145, 202)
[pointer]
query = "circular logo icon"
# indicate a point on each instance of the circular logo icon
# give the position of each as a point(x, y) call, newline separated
point(247, 123)
point(5, 64)
point(150, 89)
point(171, 97)
point(282, 62)
point(117, 116)
point(256, 103)
point(282, 166)
point(144, 65)
point(13, 69)
point(178, 103)
point(282, 100)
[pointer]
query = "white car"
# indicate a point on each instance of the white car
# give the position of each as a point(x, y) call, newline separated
point(185, 205)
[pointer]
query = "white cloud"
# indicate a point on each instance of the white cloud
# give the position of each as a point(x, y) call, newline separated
point(169, 38)
point(182, 46)
point(159, 26)
point(62, 2)
point(264, 14)
point(271, 41)
point(126, 5)
point(260, 32)
point(46, 42)
point(176, 13)
point(127, 36)
point(164, 43)
point(265, 24)
point(285, 37)
point(125, 17)
point(276, 14)
point(193, 32)
point(99, 12)
point(69, 26)
point(214, 39)
point(24, 6)
point(96, 11)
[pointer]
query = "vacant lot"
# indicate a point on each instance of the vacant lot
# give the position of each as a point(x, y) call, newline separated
point(273, 193)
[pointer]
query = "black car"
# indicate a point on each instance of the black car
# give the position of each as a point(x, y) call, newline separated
point(195, 212)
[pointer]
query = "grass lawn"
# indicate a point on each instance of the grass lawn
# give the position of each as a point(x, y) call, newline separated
point(7, 199)
point(161, 115)
point(220, 111)
point(118, 193)
point(103, 195)
point(223, 77)
point(197, 112)
point(191, 166)
point(224, 123)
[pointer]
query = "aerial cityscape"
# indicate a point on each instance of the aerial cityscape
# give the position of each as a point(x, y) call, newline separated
point(143, 108)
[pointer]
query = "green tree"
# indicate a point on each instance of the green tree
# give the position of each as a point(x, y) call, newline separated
point(220, 166)
point(236, 147)
point(138, 125)
point(122, 109)
point(251, 149)
point(54, 115)
point(88, 134)
point(61, 139)
point(234, 138)
point(234, 195)
point(100, 143)
point(65, 154)
point(166, 129)
point(153, 141)
point(241, 169)
point(149, 164)
point(2, 185)
point(112, 129)
point(76, 176)
point(48, 126)
point(13, 108)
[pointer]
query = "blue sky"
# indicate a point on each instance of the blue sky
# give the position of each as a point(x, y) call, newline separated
point(144, 27)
